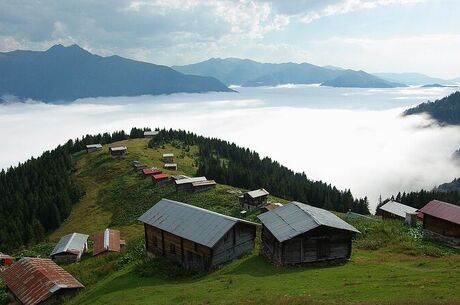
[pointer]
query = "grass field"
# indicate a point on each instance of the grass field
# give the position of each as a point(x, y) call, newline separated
point(390, 264)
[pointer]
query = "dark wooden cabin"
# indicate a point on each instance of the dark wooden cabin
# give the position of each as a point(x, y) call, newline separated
point(93, 147)
point(441, 221)
point(118, 151)
point(297, 233)
point(196, 238)
point(395, 210)
point(254, 199)
point(33, 281)
point(107, 241)
point(168, 158)
point(70, 248)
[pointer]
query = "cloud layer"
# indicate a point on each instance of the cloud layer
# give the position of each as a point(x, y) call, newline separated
point(351, 142)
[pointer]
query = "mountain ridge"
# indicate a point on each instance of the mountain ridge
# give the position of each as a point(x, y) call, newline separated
point(64, 74)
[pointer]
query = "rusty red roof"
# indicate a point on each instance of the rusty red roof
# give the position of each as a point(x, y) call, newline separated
point(160, 176)
point(34, 280)
point(442, 210)
point(106, 241)
point(151, 171)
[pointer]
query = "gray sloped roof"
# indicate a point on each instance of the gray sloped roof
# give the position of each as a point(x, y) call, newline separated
point(190, 180)
point(296, 218)
point(190, 222)
point(258, 193)
point(71, 243)
point(94, 146)
point(397, 208)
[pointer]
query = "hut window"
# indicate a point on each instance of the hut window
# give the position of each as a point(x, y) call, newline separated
point(323, 247)
point(172, 248)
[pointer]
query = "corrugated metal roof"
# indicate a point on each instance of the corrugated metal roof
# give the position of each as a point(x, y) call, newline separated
point(170, 165)
point(397, 208)
point(258, 193)
point(190, 222)
point(151, 133)
point(151, 171)
point(168, 155)
point(34, 280)
point(160, 176)
point(118, 148)
point(205, 182)
point(71, 243)
point(443, 210)
point(189, 180)
point(94, 146)
point(296, 218)
point(107, 240)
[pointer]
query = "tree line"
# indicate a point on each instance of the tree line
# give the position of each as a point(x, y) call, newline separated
point(421, 198)
point(230, 164)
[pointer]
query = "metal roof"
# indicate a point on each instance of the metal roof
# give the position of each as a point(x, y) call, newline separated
point(190, 222)
point(258, 193)
point(94, 146)
point(397, 208)
point(442, 210)
point(190, 180)
point(151, 132)
point(118, 148)
point(205, 182)
point(168, 155)
point(170, 165)
point(151, 171)
point(34, 280)
point(71, 243)
point(107, 240)
point(296, 218)
point(160, 176)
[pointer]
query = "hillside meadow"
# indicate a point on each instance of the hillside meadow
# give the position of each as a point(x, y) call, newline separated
point(390, 263)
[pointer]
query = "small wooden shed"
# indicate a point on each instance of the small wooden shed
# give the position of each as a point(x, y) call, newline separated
point(118, 151)
point(160, 179)
point(297, 233)
point(70, 248)
point(441, 221)
point(150, 133)
point(170, 166)
point(93, 147)
point(33, 281)
point(395, 210)
point(196, 238)
point(168, 158)
point(107, 241)
point(151, 171)
point(187, 183)
point(254, 199)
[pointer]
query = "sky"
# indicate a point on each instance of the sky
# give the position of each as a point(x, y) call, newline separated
point(372, 35)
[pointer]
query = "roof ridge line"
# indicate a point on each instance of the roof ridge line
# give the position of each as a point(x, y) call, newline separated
point(309, 214)
point(66, 247)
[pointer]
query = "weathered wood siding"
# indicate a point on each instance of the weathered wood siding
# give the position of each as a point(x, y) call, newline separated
point(249, 203)
point(441, 226)
point(189, 254)
point(388, 215)
point(237, 241)
point(65, 258)
point(193, 256)
point(321, 244)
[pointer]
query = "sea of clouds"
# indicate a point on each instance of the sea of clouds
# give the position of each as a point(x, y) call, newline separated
point(371, 150)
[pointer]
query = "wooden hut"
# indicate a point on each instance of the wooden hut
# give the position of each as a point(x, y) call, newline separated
point(254, 199)
point(150, 133)
point(187, 184)
point(297, 233)
point(395, 210)
point(118, 151)
point(170, 166)
point(201, 186)
point(196, 238)
point(107, 241)
point(168, 158)
point(160, 179)
point(151, 171)
point(33, 281)
point(93, 147)
point(70, 248)
point(441, 221)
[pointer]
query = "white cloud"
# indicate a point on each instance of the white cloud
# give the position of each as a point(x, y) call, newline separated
point(348, 6)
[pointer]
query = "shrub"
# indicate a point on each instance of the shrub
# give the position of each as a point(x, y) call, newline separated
point(161, 268)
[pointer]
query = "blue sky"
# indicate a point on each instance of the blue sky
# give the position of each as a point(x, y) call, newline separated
point(373, 35)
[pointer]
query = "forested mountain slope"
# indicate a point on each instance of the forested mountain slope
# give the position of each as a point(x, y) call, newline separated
point(445, 111)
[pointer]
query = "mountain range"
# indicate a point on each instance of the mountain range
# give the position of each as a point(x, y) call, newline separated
point(414, 79)
point(62, 74)
point(249, 73)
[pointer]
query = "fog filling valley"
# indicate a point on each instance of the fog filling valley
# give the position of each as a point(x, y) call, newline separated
point(351, 138)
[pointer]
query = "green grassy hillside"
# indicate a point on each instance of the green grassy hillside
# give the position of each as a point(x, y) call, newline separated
point(390, 264)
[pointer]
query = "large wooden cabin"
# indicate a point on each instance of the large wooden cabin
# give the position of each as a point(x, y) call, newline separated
point(297, 233)
point(254, 199)
point(196, 238)
point(441, 221)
